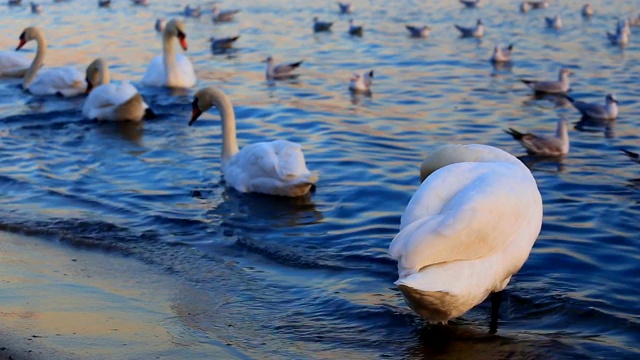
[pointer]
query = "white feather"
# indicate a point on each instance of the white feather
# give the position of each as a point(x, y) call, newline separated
point(182, 75)
point(102, 103)
point(13, 64)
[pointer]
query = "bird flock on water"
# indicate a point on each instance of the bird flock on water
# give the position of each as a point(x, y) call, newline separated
point(466, 231)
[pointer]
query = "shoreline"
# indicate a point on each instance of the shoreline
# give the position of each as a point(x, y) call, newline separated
point(58, 302)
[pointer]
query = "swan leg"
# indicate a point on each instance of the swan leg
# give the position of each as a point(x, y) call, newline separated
point(496, 300)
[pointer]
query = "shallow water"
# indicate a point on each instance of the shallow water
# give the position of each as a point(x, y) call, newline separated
point(310, 277)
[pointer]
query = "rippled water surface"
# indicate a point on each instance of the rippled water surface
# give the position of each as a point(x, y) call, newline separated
point(310, 277)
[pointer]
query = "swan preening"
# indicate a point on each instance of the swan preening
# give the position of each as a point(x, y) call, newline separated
point(171, 69)
point(109, 101)
point(65, 81)
point(469, 227)
point(275, 168)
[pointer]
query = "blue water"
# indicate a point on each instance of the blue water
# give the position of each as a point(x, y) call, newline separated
point(310, 277)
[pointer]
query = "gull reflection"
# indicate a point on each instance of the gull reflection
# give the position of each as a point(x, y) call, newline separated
point(587, 124)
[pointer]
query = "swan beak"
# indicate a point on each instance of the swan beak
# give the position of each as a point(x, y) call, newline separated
point(21, 44)
point(195, 114)
point(183, 43)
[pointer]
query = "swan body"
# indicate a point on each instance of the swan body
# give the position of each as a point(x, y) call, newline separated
point(65, 81)
point(468, 228)
point(274, 168)
point(109, 101)
point(13, 64)
point(171, 69)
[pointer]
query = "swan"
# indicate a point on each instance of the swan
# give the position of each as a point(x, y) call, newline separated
point(171, 69)
point(13, 64)
point(275, 168)
point(469, 227)
point(109, 101)
point(65, 81)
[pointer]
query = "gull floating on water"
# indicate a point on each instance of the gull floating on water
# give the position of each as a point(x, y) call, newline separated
point(538, 4)
point(281, 71)
point(421, 32)
point(195, 11)
point(624, 27)
point(361, 83)
point(355, 29)
point(140, 2)
point(346, 8)
point(160, 24)
point(104, 3)
point(551, 87)
point(587, 10)
point(223, 43)
point(321, 25)
point(223, 16)
point(545, 145)
point(470, 3)
point(634, 21)
point(554, 22)
point(14, 2)
point(501, 55)
point(525, 7)
point(36, 8)
point(619, 38)
point(476, 31)
point(598, 111)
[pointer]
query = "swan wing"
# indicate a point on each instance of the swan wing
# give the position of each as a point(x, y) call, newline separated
point(64, 80)
point(102, 102)
point(13, 64)
point(187, 73)
point(155, 74)
point(182, 75)
point(465, 211)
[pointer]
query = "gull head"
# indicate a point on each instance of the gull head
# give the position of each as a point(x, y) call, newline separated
point(479, 22)
point(268, 60)
point(611, 99)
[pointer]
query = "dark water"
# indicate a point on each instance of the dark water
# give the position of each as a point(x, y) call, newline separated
point(310, 277)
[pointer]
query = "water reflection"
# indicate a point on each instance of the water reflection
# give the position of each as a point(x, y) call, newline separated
point(127, 130)
point(587, 124)
point(533, 162)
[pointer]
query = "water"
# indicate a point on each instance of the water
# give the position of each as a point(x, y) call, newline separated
point(310, 277)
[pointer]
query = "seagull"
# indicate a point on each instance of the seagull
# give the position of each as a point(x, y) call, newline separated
point(223, 43)
point(192, 11)
point(554, 22)
point(525, 7)
point(36, 8)
point(321, 25)
point(619, 38)
point(476, 31)
point(104, 3)
point(624, 27)
point(608, 111)
point(281, 71)
point(223, 16)
point(140, 2)
point(160, 24)
point(544, 145)
point(346, 8)
point(14, 2)
point(632, 155)
point(587, 10)
point(538, 4)
point(355, 29)
point(418, 32)
point(361, 83)
point(551, 87)
point(470, 3)
point(501, 55)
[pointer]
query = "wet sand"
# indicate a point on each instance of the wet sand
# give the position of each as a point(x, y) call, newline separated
point(57, 302)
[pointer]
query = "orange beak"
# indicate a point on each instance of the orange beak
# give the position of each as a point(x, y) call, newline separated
point(195, 114)
point(183, 43)
point(21, 44)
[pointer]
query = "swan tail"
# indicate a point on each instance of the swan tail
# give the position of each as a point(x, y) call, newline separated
point(131, 110)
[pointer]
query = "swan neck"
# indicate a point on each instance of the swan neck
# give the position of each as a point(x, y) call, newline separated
point(228, 118)
point(105, 77)
point(169, 54)
point(37, 62)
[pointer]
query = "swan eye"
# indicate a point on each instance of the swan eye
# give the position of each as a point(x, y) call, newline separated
point(23, 35)
point(181, 35)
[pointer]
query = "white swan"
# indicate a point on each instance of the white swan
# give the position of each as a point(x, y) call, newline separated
point(13, 64)
point(65, 81)
point(171, 69)
point(468, 228)
point(109, 101)
point(275, 168)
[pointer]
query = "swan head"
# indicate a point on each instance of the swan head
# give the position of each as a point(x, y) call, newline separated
point(205, 99)
point(28, 34)
point(176, 28)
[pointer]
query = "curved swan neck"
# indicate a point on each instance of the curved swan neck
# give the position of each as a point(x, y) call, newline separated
point(105, 77)
point(38, 61)
point(168, 52)
point(228, 118)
